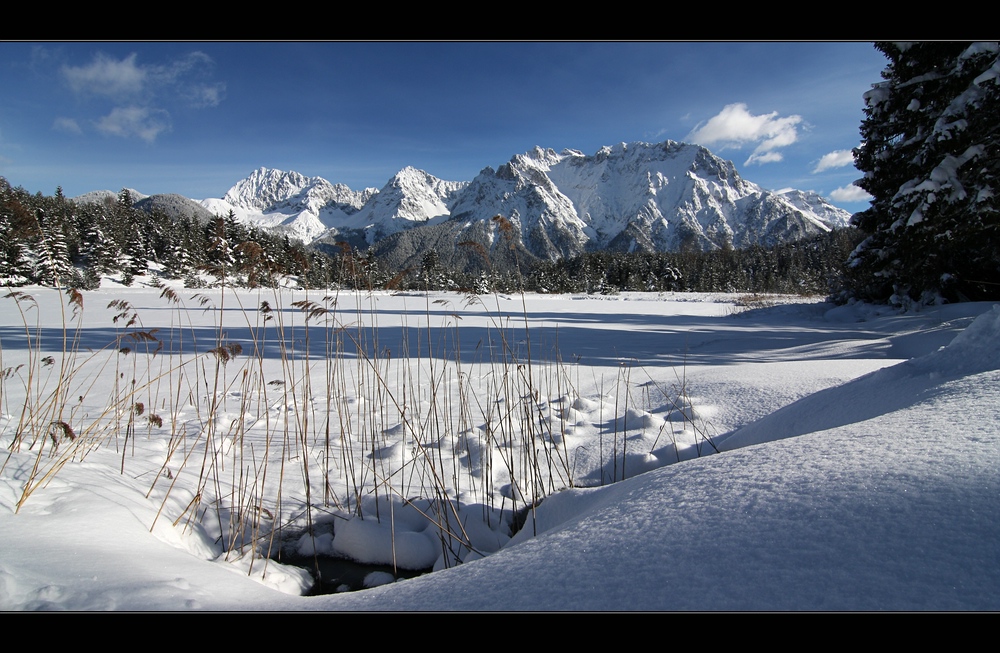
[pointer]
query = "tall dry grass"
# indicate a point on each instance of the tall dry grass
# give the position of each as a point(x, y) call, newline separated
point(308, 411)
point(257, 441)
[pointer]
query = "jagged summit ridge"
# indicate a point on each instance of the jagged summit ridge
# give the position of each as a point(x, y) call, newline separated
point(305, 208)
point(268, 191)
point(264, 187)
point(638, 196)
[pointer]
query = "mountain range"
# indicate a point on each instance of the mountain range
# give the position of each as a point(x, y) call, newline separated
point(638, 196)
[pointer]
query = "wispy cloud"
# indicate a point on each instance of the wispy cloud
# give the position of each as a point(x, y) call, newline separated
point(142, 94)
point(764, 157)
point(849, 193)
point(142, 122)
point(204, 95)
point(41, 58)
point(68, 125)
point(736, 127)
point(835, 159)
point(180, 76)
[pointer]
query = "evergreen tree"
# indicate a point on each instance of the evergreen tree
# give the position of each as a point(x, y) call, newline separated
point(53, 266)
point(186, 248)
point(931, 157)
point(134, 255)
point(16, 226)
point(220, 258)
point(432, 275)
point(97, 249)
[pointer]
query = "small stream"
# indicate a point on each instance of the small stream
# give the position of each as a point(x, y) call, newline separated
point(333, 574)
point(341, 575)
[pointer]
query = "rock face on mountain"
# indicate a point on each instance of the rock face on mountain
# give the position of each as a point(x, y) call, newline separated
point(629, 197)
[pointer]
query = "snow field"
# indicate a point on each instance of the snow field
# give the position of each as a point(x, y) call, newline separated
point(403, 429)
point(254, 417)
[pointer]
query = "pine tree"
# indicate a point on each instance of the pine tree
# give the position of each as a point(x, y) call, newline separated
point(931, 158)
point(58, 270)
point(220, 258)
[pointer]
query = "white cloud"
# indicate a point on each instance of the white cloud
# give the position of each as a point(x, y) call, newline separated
point(849, 194)
point(145, 123)
point(68, 125)
point(107, 76)
point(835, 159)
point(735, 126)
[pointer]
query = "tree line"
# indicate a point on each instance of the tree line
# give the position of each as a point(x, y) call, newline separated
point(815, 266)
point(54, 241)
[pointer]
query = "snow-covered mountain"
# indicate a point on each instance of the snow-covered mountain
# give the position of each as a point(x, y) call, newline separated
point(639, 196)
point(811, 201)
point(302, 207)
point(630, 197)
point(174, 205)
point(410, 199)
point(271, 191)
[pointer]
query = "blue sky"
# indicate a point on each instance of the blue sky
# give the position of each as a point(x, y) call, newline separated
point(194, 118)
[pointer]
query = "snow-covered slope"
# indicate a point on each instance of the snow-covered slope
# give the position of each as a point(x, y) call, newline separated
point(176, 206)
point(812, 202)
point(101, 196)
point(522, 191)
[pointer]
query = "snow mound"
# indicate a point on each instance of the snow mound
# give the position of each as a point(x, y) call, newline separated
point(406, 534)
point(972, 351)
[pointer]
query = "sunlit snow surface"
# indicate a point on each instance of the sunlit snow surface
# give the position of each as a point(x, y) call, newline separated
point(858, 467)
